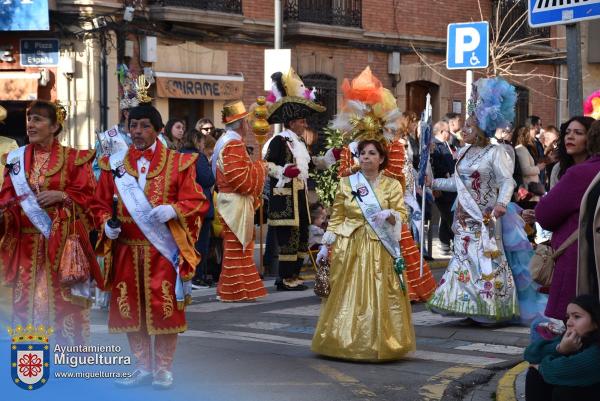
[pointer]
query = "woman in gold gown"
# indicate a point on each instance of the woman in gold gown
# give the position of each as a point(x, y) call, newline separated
point(367, 315)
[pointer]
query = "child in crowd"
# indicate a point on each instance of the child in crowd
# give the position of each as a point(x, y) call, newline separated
point(318, 218)
point(566, 368)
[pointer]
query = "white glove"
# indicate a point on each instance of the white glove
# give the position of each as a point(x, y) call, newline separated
point(323, 254)
point(379, 217)
point(112, 233)
point(163, 213)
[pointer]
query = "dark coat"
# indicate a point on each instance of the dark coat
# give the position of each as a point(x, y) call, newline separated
point(442, 164)
point(204, 178)
point(284, 202)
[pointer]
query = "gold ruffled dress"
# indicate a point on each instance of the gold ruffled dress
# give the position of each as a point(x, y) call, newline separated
point(367, 316)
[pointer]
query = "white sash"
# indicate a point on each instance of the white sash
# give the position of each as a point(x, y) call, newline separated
point(38, 216)
point(369, 205)
point(487, 248)
point(112, 141)
point(223, 140)
point(138, 206)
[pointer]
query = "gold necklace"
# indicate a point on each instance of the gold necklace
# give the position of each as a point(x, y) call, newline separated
point(40, 161)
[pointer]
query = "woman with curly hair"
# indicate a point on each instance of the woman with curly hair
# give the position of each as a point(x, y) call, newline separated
point(559, 210)
point(574, 155)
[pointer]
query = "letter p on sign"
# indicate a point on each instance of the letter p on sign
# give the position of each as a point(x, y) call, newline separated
point(468, 45)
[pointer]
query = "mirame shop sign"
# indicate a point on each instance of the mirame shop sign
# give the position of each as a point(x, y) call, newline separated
point(197, 86)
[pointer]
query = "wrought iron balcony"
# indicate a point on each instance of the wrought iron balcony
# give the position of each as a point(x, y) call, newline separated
point(224, 6)
point(512, 11)
point(327, 12)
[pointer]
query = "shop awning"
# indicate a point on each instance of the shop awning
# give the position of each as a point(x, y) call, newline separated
point(199, 86)
point(18, 85)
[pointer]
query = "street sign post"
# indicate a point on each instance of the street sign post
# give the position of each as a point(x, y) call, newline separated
point(41, 52)
point(567, 12)
point(468, 45)
point(558, 12)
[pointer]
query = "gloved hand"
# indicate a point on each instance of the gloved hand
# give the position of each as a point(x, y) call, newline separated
point(111, 233)
point(337, 153)
point(379, 217)
point(323, 254)
point(291, 171)
point(163, 213)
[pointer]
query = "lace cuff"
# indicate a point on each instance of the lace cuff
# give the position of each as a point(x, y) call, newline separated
point(397, 226)
point(328, 238)
point(276, 171)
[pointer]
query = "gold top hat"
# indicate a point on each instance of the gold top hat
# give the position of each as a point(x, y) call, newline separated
point(3, 114)
point(233, 111)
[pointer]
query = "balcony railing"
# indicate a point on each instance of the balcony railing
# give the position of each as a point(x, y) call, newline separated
point(224, 6)
point(511, 11)
point(327, 12)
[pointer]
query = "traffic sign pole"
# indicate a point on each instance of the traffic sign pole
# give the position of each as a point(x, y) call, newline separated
point(469, 82)
point(574, 84)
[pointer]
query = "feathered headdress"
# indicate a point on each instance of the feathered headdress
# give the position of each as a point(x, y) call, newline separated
point(290, 99)
point(369, 111)
point(492, 104)
point(591, 106)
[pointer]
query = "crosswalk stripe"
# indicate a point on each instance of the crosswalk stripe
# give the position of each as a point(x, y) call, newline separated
point(493, 348)
point(216, 306)
point(473, 360)
point(515, 329)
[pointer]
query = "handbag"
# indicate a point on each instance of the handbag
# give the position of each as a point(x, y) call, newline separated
point(322, 288)
point(74, 265)
point(542, 262)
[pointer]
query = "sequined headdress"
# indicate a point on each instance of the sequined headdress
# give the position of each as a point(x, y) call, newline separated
point(492, 104)
point(61, 113)
point(591, 106)
point(369, 111)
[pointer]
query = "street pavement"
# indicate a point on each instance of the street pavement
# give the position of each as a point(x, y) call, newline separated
point(261, 351)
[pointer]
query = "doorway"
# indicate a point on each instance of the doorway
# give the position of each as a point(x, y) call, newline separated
point(416, 97)
point(187, 110)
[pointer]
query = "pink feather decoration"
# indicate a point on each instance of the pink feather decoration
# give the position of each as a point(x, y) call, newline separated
point(588, 106)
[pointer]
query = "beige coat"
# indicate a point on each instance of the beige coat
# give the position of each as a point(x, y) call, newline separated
point(590, 206)
point(529, 171)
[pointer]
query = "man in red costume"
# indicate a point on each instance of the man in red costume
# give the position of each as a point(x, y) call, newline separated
point(150, 257)
point(240, 182)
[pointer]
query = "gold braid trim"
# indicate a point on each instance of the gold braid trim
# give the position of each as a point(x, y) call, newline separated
point(186, 160)
point(84, 156)
point(104, 163)
point(167, 305)
point(124, 308)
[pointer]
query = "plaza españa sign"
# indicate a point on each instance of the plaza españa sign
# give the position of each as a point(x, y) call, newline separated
point(41, 52)
point(468, 45)
point(558, 12)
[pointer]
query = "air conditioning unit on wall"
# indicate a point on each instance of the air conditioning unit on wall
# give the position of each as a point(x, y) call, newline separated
point(148, 49)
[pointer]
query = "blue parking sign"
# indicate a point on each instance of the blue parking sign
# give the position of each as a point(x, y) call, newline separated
point(468, 45)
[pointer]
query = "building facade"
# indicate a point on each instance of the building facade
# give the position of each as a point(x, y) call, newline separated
point(206, 52)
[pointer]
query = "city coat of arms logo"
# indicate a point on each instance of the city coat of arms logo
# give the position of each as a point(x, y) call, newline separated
point(30, 356)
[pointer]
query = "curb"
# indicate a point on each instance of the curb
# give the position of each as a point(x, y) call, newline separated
point(506, 386)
